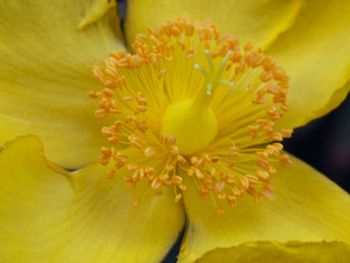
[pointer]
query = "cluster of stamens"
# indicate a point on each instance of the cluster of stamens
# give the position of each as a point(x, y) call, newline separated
point(137, 90)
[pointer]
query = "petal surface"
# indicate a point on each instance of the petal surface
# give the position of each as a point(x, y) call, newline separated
point(260, 22)
point(48, 215)
point(322, 252)
point(47, 51)
point(315, 53)
point(307, 221)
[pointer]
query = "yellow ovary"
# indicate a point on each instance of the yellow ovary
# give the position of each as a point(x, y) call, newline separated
point(194, 130)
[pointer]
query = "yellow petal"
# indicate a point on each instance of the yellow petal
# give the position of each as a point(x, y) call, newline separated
point(315, 53)
point(45, 73)
point(307, 221)
point(46, 217)
point(293, 252)
point(260, 22)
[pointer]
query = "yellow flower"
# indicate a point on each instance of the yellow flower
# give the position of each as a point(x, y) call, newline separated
point(192, 121)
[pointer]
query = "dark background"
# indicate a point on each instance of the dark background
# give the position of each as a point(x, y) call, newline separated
point(323, 144)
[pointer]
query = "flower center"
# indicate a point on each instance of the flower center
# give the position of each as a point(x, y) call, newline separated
point(192, 102)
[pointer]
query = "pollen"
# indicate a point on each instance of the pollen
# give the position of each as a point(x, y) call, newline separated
point(192, 105)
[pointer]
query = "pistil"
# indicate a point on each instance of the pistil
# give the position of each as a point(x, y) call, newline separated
point(192, 121)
